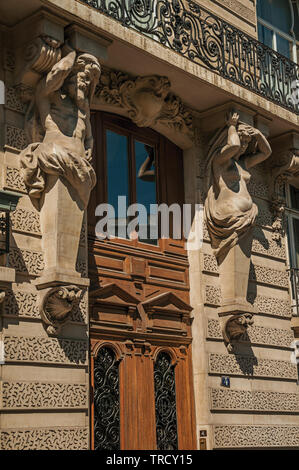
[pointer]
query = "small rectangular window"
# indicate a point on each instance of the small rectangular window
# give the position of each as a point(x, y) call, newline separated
point(146, 189)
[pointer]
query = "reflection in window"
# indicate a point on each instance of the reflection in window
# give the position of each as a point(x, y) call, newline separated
point(117, 175)
point(277, 26)
point(106, 401)
point(165, 401)
point(145, 187)
point(276, 12)
point(265, 35)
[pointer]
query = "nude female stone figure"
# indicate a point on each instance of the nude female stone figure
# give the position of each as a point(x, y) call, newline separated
point(230, 211)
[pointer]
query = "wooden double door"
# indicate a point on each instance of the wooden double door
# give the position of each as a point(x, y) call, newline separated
point(140, 317)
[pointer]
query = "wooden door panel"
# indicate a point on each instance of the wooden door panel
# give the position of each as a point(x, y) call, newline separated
point(139, 298)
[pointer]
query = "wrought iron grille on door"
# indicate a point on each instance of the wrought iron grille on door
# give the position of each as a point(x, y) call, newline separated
point(106, 401)
point(165, 400)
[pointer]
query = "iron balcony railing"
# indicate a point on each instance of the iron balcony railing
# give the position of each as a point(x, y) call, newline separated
point(195, 33)
point(294, 277)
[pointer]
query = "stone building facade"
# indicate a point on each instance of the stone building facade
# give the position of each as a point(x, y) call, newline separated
point(171, 74)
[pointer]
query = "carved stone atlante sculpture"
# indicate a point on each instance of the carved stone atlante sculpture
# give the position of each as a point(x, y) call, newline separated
point(56, 166)
point(61, 114)
point(57, 171)
point(230, 211)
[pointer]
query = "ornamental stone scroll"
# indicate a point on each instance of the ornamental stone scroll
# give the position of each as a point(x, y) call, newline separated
point(230, 212)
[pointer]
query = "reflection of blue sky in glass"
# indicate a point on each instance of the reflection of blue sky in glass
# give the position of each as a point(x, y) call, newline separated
point(117, 167)
point(276, 12)
point(265, 35)
point(283, 46)
point(145, 190)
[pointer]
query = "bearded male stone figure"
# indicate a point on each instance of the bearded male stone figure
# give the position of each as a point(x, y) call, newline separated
point(62, 102)
point(56, 167)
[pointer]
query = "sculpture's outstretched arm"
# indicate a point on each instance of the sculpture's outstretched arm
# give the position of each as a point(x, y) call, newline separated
point(233, 141)
point(264, 150)
point(59, 72)
point(145, 173)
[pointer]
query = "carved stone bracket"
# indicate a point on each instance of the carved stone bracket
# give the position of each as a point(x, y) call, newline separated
point(56, 304)
point(147, 101)
point(234, 329)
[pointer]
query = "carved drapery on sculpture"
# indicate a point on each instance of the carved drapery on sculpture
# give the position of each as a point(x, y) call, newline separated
point(40, 160)
point(230, 211)
point(147, 101)
point(58, 116)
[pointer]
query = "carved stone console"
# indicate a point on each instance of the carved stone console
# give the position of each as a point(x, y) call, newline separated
point(234, 328)
point(61, 68)
point(56, 304)
point(148, 102)
point(233, 149)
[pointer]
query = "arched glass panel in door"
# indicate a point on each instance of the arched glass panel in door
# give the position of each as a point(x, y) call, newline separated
point(106, 401)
